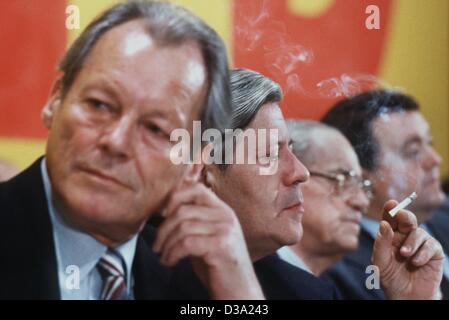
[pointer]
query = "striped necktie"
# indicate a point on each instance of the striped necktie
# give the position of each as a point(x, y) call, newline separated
point(111, 268)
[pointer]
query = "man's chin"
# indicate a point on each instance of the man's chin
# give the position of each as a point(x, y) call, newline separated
point(294, 236)
point(435, 199)
point(98, 209)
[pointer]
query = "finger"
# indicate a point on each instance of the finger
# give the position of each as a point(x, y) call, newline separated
point(195, 246)
point(382, 245)
point(398, 240)
point(197, 194)
point(190, 228)
point(430, 250)
point(404, 221)
point(185, 212)
point(413, 242)
point(390, 204)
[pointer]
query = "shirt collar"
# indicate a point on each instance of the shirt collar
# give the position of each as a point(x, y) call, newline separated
point(79, 248)
point(287, 254)
point(370, 225)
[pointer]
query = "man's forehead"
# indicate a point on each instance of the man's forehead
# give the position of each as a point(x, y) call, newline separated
point(140, 71)
point(333, 152)
point(130, 45)
point(395, 129)
point(269, 116)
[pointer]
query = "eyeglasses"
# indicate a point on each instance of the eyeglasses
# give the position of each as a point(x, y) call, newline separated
point(348, 182)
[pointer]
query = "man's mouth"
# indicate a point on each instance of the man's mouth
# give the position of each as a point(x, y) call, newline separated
point(353, 218)
point(103, 177)
point(297, 206)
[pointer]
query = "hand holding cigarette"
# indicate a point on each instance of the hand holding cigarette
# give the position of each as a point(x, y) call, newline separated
point(410, 261)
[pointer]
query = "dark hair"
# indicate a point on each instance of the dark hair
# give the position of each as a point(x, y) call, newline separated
point(170, 25)
point(354, 116)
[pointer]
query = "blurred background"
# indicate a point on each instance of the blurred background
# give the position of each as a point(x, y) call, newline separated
point(319, 50)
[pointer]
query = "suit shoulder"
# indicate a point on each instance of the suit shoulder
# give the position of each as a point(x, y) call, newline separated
point(281, 280)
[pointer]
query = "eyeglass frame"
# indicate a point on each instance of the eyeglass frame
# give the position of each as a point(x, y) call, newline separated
point(341, 177)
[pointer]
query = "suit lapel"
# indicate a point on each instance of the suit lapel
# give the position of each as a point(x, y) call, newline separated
point(29, 252)
point(151, 279)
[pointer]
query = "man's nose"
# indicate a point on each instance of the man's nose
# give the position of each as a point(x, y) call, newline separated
point(432, 159)
point(295, 171)
point(359, 201)
point(116, 139)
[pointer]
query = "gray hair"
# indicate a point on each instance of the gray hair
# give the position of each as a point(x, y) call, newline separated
point(250, 90)
point(303, 135)
point(170, 25)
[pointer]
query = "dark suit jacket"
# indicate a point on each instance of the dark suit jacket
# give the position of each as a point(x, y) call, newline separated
point(29, 268)
point(278, 279)
point(439, 226)
point(349, 275)
point(281, 280)
point(27, 252)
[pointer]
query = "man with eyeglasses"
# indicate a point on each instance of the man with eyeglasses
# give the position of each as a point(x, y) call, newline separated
point(394, 146)
point(335, 196)
point(271, 207)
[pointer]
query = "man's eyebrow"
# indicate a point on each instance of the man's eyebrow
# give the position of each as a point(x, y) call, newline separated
point(104, 85)
point(158, 114)
point(108, 87)
point(181, 90)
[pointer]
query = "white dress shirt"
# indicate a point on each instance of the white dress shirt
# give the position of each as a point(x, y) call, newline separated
point(288, 255)
point(76, 250)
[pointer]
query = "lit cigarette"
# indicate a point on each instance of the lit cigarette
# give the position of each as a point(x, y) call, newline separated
point(401, 205)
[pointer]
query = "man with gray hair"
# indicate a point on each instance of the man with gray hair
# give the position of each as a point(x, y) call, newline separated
point(72, 222)
point(270, 208)
point(336, 196)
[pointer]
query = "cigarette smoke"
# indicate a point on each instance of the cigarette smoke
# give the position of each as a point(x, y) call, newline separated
point(284, 57)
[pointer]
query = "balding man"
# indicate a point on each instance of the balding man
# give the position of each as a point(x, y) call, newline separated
point(72, 223)
point(335, 196)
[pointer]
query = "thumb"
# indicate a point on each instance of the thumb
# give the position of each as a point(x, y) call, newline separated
point(383, 245)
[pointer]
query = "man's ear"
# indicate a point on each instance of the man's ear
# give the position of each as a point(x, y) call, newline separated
point(209, 176)
point(53, 103)
point(366, 174)
point(193, 172)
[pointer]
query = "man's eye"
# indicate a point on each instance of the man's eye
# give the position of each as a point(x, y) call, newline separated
point(154, 129)
point(412, 153)
point(98, 105)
